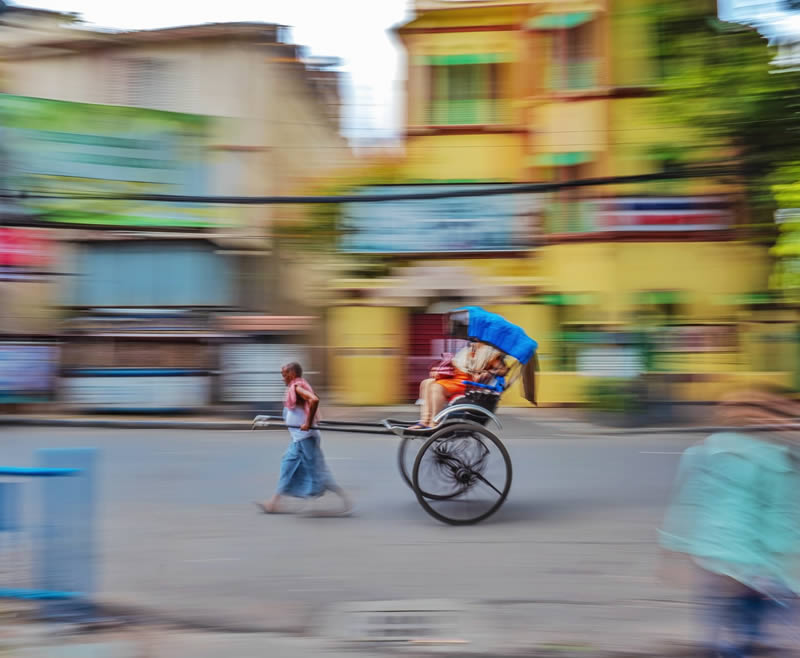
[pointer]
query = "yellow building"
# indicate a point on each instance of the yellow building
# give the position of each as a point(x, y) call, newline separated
point(511, 91)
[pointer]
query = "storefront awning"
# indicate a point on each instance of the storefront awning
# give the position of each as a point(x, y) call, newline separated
point(657, 297)
point(750, 299)
point(559, 21)
point(567, 299)
point(566, 159)
point(266, 323)
point(467, 58)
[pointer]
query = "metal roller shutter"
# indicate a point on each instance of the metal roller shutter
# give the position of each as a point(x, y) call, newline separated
point(425, 328)
point(251, 372)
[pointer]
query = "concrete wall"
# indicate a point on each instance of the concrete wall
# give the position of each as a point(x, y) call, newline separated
point(615, 272)
point(366, 344)
point(368, 339)
point(472, 158)
point(267, 113)
point(28, 308)
point(23, 27)
point(621, 132)
point(271, 133)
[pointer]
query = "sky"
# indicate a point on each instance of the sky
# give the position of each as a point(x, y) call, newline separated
point(354, 30)
point(771, 17)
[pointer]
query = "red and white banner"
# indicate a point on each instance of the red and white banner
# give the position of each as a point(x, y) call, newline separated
point(28, 248)
point(663, 214)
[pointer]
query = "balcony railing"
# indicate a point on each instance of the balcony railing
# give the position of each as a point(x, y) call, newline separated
point(570, 217)
point(575, 75)
point(469, 112)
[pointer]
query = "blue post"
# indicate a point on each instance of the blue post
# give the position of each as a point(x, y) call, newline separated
point(10, 530)
point(66, 559)
point(10, 507)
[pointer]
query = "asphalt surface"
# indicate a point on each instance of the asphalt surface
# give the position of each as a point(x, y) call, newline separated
point(570, 557)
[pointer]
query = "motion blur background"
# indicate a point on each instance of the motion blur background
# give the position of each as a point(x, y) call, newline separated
point(653, 252)
point(665, 291)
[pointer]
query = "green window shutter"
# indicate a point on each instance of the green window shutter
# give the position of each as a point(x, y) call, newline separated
point(559, 21)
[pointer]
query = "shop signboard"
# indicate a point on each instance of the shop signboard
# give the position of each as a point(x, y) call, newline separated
point(25, 253)
point(503, 222)
point(64, 148)
point(639, 215)
point(651, 214)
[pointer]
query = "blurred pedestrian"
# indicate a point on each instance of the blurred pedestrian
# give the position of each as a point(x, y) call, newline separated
point(736, 515)
point(304, 473)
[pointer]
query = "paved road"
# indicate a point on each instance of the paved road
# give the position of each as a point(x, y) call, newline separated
point(571, 555)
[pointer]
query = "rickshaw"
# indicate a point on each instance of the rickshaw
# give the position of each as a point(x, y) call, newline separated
point(459, 469)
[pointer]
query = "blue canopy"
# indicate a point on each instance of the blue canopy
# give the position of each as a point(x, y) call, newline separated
point(498, 332)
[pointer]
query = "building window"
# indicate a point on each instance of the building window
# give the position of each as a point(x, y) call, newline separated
point(570, 212)
point(465, 94)
point(140, 82)
point(574, 66)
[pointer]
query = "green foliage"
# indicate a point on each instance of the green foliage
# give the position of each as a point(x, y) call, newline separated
point(314, 228)
point(612, 394)
point(317, 227)
point(716, 78)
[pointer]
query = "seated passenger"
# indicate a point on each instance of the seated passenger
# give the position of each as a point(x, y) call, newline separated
point(476, 362)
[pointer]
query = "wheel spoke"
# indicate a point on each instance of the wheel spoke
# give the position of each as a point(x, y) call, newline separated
point(406, 454)
point(449, 468)
point(488, 484)
point(436, 477)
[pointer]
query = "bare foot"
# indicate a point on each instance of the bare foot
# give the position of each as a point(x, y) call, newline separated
point(347, 504)
point(347, 507)
point(316, 507)
point(270, 507)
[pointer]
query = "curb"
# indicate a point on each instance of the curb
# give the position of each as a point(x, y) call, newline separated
point(136, 615)
point(334, 625)
point(128, 424)
point(246, 425)
point(706, 429)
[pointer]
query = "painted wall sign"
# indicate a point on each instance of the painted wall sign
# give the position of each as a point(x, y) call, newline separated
point(663, 214)
point(79, 148)
point(25, 253)
point(460, 224)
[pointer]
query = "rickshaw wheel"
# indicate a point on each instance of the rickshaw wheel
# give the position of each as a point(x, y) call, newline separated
point(462, 475)
point(406, 455)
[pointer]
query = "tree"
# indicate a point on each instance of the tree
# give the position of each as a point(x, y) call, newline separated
point(306, 239)
point(318, 228)
point(717, 78)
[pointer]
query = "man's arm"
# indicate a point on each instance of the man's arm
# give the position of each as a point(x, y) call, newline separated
point(313, 404)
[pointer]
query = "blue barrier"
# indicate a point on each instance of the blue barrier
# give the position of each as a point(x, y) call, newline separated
point(38, 595)
point(55, 546)
point(37, 472)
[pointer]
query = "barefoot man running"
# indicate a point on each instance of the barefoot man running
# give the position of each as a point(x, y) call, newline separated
point(304, 473)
